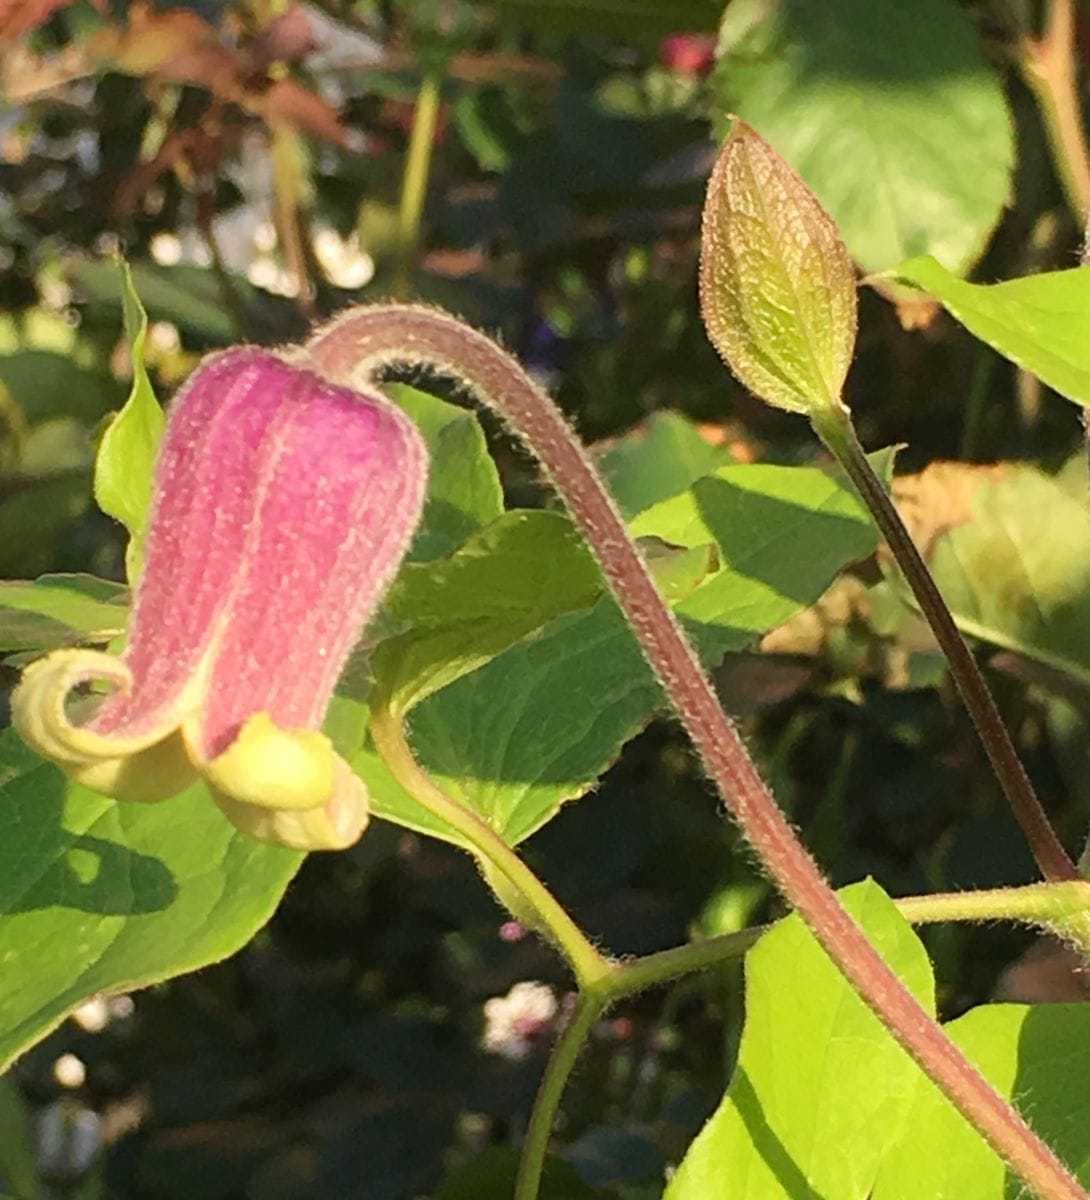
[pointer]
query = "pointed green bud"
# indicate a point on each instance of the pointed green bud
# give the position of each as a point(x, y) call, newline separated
point(777, 288)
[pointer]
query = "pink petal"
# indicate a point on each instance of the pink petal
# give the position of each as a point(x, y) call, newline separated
point(283, 505)
point(207, 474)
point(343, 487)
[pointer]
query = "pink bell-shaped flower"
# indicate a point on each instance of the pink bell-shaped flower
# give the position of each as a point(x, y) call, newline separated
point(283, 505)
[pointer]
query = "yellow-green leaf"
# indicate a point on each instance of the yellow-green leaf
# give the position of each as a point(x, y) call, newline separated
point(125, 465)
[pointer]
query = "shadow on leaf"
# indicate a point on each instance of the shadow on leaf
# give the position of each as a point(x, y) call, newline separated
point(46, 864)
point(777, 1158)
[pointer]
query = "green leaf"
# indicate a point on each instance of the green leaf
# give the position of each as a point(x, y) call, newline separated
point(192, 298)
point(820, 1088)
point(657, 460)
point(508, 579)
point(125, 464)
point(1040, 322)
point(532, 728)
point(464, 490)
point(888, 110)
point(99, 896)
point(60, 610)
point(1013, 565)
point(777, 288)
point(18, 1165)
point(538, 724)
point(46, 385)
point(781, 534)
point(1036, 1055)
point(35, 518)
point(638, 20)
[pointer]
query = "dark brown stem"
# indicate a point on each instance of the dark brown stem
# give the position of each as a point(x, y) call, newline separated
point(1049, 68)
point(290, 221)
point(232, 302)
point(365, 343)
point(837, 433)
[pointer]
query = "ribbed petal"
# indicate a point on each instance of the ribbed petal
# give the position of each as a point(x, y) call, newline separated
point(283, 505)
point(342, 494)
point(211, 469)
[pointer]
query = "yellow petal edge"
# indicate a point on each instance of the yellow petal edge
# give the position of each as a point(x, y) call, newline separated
point(271, 767)
point(151, 767)
point(335, 825)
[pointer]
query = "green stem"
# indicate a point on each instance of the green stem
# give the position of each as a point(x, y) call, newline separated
point(1062, 909)
point(979, 385)
point(1058, 908)
point(285, 153)
point(233, 303)
point(414, 185)
point(622, 979)
point(836, 431)
point(562, 1060)
point(638, 974)
point(589, 966)
point(1054, 907)
point(1037, 904)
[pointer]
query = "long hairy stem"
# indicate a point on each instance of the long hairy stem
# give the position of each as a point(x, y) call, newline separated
point(363, 345)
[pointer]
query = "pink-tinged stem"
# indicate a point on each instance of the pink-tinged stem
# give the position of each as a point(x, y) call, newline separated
point(363, 344)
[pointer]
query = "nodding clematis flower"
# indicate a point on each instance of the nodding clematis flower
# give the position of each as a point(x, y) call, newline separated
point(282, 507)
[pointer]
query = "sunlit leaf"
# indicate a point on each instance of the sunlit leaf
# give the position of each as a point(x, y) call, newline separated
point(60, 610)
point(1010, 548)
point(1036, 1055)
point(511, 578)
point(538, 724)
point(820, 1088)
point(464, 490)
point(889, 111)
point(1040, 322)
point(657, 460)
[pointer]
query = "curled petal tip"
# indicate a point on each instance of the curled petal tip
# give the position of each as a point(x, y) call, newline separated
point(335, 825)
point(270, 767)
point(146, 767)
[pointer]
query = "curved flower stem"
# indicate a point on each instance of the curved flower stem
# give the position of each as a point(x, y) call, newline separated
point(589, 965)
point(362, 346)
point(837, 432)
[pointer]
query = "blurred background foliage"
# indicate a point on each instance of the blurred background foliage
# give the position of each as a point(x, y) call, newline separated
point(536, 166)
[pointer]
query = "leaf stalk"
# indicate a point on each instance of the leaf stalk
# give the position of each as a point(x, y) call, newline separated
point(835, 429)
